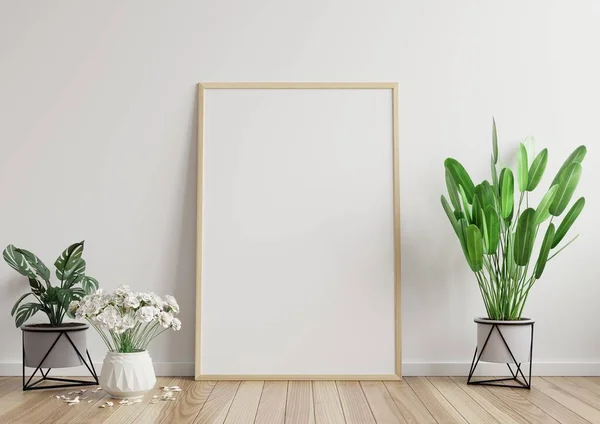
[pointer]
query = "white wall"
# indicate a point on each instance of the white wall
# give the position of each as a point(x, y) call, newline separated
point(97, 138)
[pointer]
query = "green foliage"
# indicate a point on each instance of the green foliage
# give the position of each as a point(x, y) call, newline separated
point(507, 193)
point(522, 168)
point(536, 172)
point(51, 300)
point(498, 233)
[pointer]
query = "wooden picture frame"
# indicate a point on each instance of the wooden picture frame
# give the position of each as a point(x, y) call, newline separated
point(393, 87)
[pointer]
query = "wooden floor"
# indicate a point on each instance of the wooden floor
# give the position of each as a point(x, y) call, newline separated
point(420, 400)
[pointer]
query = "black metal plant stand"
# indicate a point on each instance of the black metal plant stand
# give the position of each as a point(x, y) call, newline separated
point(521, 383)
point(67, 382)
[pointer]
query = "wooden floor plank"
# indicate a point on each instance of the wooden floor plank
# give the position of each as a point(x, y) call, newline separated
point(159, 411)
point(586, 383)
point(300, 404)
point(17, 404)
point(217, 405)
point(415, 400)
point(550, 406)
point(433, 400)
point(9, 385)
point(191, 403)
point(568, 399)
point(382, 404)
point(58, 414)
point(126, 414)
point(588, 396)
point(354, 404)
point(245, 404)
point(20, 404)
point(413, 411)
point(595, 380)
point(328, 409)
point(488, 401)
point(271, 408)
point(511, 398)
point(469, 409)
point(8, 388)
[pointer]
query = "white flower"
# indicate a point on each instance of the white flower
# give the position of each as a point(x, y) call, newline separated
point(146, 297)
point(123, 312)
point(172, 303)
point(123, 291)
point(108, 318)
point(165, 319)
point(146, 313)
point(131, 301)
point(157, 301)
point(124, 324)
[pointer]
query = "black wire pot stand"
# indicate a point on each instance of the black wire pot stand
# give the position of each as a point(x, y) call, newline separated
point(66, 382)
point(520, 381)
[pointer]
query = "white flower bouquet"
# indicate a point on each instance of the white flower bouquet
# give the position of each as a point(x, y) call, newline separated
point(127, 321)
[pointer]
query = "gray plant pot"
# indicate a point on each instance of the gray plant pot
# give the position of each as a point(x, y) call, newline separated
point(38, 339)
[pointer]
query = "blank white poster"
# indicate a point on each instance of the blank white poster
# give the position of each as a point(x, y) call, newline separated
point(297, 247)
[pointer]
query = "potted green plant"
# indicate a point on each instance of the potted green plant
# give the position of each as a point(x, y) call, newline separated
point(54, 302)
point(497, 235)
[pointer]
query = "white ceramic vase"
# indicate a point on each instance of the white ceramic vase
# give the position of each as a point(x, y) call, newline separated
point(517, 334)
point(127, 375)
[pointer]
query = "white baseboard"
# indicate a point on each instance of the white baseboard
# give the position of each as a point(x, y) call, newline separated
point(184, 369)
point(165, 369)
point(460, 369)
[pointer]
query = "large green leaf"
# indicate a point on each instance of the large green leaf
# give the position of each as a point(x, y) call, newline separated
point(544, 251)
point(461, 177)
point(64, 296)
point(68, 259)
point(36, 287)
point(17, 261)
point(459, 226)
point(492, 222)
point(577, 156)
point(449, 211)
point(74, 275)
point(568, 221)
point(77, 293)
point(477, 213)
point(494, 142)
point(485, 193)
point(494, 175)
point(461, 232)
point(89, 284)
point(25, 312)
point(12, 312)
point(507, 192)
point(50, 296)
point(522, 168)
point(484, 232)
point(525, 237)
point(566, 188)
point(475, 248)
point(466, 206)
point(511, 265)
point(452, 190)
point(542, 212)
point(36, 264)
point(537, 169)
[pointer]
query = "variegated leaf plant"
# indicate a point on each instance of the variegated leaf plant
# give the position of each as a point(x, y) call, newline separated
point(52, 300)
